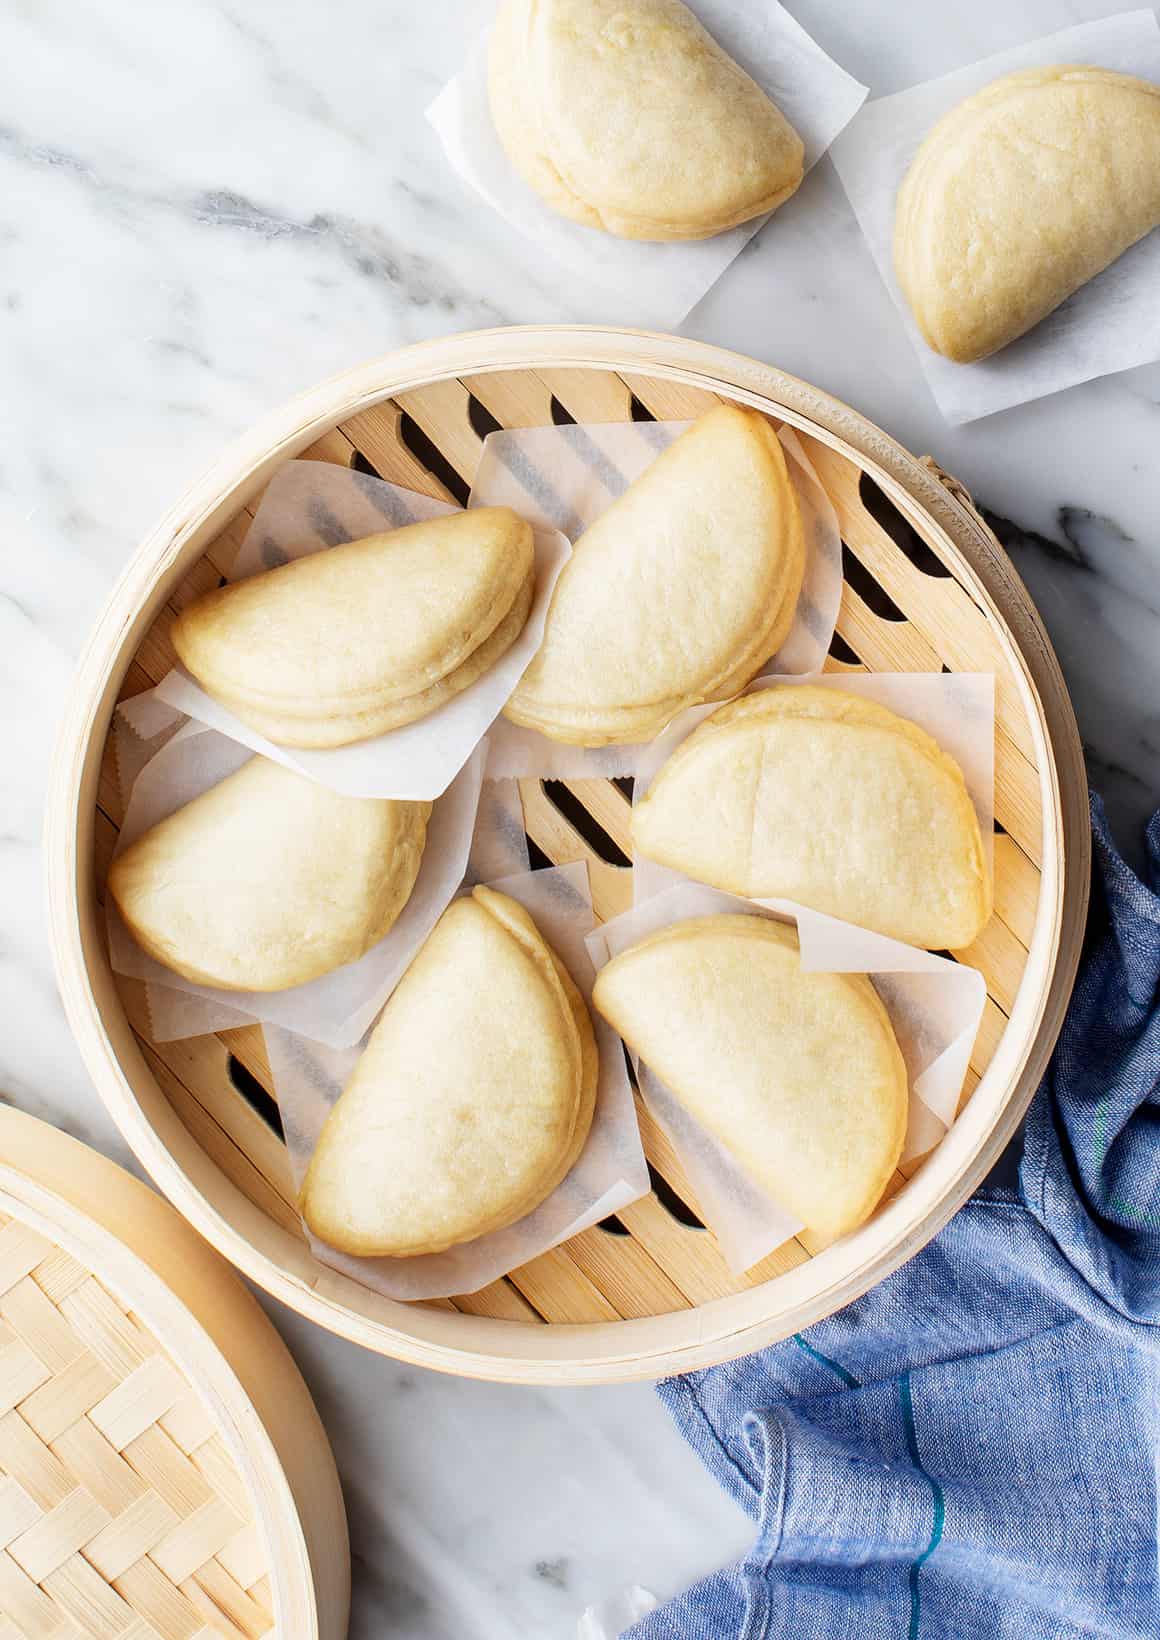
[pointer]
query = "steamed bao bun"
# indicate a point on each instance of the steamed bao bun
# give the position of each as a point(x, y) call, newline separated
point(826, 798)
point(347, 643)
point(474, 1096)
point(268, 880)
point(798, 1075)
point(626, 115)
point(677, 594)
point(1019, 196)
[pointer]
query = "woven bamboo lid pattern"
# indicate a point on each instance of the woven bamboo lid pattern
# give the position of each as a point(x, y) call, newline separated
point(124, 1511)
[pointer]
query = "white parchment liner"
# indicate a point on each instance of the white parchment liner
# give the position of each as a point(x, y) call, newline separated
point(650, 284)
point(1110, 324)
point(563, 478)
point(185, 758)
point(934, 1005)
point(610, 1173)
point(311, 505)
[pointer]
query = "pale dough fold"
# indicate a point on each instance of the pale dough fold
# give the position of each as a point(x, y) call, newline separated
point(357, 639)
point(678, 594)
point(1019, 196)
point(798, 1075)
point(627, 115)
point(826, 798)
point(474, 1096)
point(268, 879)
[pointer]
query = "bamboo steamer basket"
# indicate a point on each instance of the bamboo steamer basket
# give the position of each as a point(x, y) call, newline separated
point(163, 1472)
point(927, 588)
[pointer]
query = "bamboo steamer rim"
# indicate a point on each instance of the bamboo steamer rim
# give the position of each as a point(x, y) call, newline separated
point(600, 1351)
point(102, 1217)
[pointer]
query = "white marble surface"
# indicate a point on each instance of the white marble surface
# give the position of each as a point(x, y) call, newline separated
point(208, 204)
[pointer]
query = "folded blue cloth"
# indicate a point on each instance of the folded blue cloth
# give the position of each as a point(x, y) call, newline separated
point(971, 1448)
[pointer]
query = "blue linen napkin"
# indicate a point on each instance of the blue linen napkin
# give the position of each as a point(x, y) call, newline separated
point(971, 1448)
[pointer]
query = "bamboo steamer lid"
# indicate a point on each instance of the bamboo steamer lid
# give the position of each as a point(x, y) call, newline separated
point(163, 1472)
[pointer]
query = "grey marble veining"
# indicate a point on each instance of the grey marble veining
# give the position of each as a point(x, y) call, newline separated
point(1098, 591)
point(208, 205)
